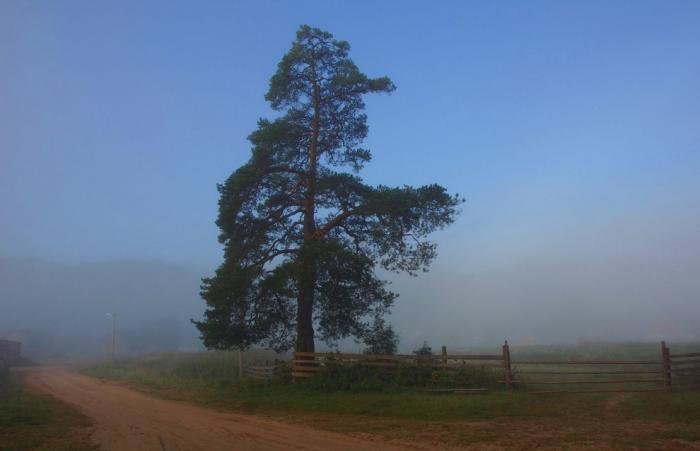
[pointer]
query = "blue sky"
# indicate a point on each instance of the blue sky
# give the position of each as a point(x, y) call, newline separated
point(566, 125)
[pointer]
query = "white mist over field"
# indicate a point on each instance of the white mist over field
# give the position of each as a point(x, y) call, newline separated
point(632, 279)
point(63, 310)
point(572, 133)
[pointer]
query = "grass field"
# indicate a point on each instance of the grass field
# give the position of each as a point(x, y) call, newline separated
point(32, 421)
point(500, 418)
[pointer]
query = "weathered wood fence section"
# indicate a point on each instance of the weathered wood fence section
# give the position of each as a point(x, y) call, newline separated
point(682, 369)
point(263, 371)
point(540, 376)
point(603, 375)
point(308, 364)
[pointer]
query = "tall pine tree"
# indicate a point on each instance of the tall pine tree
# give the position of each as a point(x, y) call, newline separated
point(302, 236)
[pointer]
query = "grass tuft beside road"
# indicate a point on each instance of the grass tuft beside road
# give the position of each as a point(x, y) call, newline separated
point(33, 421)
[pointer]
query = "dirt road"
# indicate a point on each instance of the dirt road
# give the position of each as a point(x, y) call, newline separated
point(128, 420)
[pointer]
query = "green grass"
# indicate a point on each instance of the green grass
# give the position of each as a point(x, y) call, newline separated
point(281, 398)
point(32, 421)
point(507, 419)
point(405, 404)
point(212, 379)
point(173, 370)
point(682, 406)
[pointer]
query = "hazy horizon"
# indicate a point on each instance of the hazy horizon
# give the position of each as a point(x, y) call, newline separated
point(571, 130)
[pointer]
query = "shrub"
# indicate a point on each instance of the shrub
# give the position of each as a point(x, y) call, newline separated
point(363, 377)
point(468, 376)
point(424, 350)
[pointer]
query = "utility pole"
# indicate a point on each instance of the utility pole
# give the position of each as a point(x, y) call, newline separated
point(114, 334)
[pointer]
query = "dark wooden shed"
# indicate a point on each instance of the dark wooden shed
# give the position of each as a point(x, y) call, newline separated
point(10, 352)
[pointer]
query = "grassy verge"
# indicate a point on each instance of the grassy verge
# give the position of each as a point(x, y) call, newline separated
point(208, 379)
point(211, 379)
point(32, 421)
point(410, 416)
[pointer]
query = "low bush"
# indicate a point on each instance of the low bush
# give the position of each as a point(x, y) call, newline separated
point(469, 376)
point(362, 377)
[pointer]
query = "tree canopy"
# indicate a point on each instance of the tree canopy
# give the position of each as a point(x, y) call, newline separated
point(302, 233)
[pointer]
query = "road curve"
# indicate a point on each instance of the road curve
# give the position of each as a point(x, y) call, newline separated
point(125, 419)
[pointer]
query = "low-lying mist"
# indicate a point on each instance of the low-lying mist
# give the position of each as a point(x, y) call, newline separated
point(632, 280)
point(63, 311)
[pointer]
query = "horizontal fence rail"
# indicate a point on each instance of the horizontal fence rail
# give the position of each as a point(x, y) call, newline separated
point(309, 364)
point(601, 375)
point(679, 356)
point(563, 375)
point(587, 362)
point(684, 370)
point(263, 372)
point(584, 382)
point(606, 375)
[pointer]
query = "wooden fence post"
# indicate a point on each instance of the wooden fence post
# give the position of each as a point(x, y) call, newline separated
point(444, 355)
point(666, 363)
point(506, 366)
point(240, 364)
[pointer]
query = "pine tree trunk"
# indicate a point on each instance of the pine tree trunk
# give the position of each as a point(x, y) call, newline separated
point(307, 286)
point(305, 308)
point(307, 280)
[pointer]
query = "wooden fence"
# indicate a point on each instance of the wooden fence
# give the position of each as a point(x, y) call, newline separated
point(682, 370)
point(308, 364)
point(264, 371)
point(603, 375)
point(540, 376)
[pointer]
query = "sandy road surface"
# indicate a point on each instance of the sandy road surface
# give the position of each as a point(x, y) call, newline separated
point(129, 420)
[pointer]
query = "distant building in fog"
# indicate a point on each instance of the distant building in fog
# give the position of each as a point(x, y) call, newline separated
point(9, 353)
